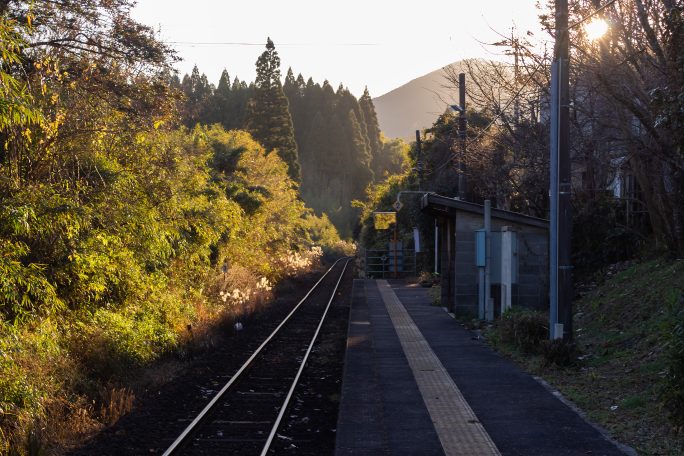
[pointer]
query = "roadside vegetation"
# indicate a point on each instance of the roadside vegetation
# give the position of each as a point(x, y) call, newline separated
point(625, 369)
point(125, 235)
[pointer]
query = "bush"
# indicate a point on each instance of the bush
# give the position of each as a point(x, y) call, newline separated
point(112, 343)
point(25, 292)
point(672, 394)
point(524, 328)
point(559, 352)
point(599, 234)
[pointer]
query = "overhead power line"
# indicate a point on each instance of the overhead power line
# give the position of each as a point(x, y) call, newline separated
point(241, 43)
point(589, 16)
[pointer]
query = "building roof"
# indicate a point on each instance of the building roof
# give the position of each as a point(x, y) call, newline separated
point(437, 205)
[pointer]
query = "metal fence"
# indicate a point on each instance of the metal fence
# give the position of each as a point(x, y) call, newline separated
point(381, 263)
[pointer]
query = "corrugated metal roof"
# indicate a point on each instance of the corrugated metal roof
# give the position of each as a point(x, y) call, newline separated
point(442, 205)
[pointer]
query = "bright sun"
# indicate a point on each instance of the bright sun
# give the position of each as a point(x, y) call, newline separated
point(596, 28)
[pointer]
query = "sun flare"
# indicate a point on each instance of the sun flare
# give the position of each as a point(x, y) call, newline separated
point(596, 29)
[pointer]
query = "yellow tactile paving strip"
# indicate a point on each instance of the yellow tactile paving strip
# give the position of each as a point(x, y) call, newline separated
point(459, 430)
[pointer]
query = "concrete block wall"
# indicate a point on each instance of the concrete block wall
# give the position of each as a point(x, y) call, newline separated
point(531, 289)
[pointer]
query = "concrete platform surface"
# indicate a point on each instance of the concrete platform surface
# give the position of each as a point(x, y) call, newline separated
point(417, 383)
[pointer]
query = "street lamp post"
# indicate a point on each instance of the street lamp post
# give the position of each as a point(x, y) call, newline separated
point(462, 125)
point(560, 318)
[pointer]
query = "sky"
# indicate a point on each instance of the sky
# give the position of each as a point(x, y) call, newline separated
point(375, 43)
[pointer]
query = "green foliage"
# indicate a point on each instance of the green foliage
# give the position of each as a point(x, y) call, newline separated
point(338, 141)
point(198, 93)
point(268, 117)
point(375, 141)
point(17, 107)
point(25, 292)
point(322, 232)
point(524, 328)
point(274, 220)
point(114, 221)
point(380, 197)
point(112, 342)
point(26, 355)
point(392, 159)
point(559, 352)
point(672, 393)
point(335, 146)
point(601, 235)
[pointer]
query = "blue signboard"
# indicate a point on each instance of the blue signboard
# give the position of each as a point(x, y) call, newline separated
point(480, 248)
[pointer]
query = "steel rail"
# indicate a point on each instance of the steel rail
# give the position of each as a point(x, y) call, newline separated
point(286, 402)
point(180, 441)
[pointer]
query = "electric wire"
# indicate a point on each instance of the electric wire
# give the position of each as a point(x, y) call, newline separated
point(589, 16)
point(243, 43)
point(519, 92)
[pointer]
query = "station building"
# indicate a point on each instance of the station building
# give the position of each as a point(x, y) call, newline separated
point(518, 266)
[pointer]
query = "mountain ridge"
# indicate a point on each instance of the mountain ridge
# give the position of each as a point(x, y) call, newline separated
point(414, 105)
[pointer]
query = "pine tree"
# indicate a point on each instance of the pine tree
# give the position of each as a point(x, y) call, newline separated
point(360, 158)
point(301, 85)
point(295, 102)
point(198, 93)
point(268, 115)
point(223, 89)
point(290, 83)
point(220, 101)
point(313, 157)
point(373, 130)
point(346, 102)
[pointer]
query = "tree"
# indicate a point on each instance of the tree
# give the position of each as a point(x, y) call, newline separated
point(268, 115)
point(199, 96)
point(86, 58)
point(632, 117)
point(373, 129)
point(221, 99)
point(358, 157)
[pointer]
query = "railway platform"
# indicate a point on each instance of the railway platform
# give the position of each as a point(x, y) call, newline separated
point(417, 383)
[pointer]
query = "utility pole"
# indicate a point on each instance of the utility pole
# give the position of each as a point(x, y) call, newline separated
point(516, 77)
point(419, 159)
point(560, 318)
point(462, 135)
point(488, 305)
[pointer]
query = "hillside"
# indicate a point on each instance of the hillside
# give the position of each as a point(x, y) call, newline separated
point(415, 105)
point(624, 329)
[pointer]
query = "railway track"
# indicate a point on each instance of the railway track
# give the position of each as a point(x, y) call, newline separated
point(244, 416)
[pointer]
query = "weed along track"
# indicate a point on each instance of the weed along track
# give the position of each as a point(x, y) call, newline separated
point(244, 416)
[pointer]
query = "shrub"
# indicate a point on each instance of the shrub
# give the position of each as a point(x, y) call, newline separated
point(559, 352)
point(338, 249)
point(111, 343)
point(25, 292)
point(599, 234)
point(524, 328)
point(672, 394)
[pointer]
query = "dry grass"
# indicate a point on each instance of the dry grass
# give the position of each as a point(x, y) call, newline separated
point(116, 402)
